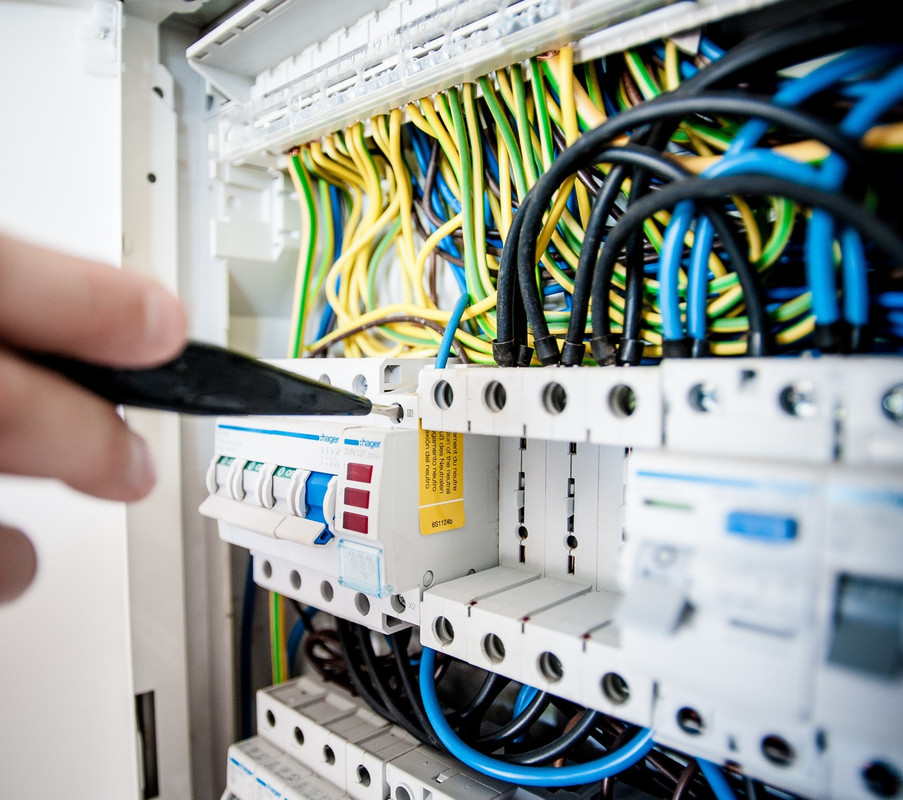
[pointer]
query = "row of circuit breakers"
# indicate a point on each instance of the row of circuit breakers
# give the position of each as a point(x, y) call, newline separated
point(709, 550)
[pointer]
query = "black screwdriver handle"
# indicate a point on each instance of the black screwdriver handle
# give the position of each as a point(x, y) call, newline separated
point(206, 379)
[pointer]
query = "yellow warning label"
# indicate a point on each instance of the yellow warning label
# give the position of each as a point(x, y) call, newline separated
point(441, 481)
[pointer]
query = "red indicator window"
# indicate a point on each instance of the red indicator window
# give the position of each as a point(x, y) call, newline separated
point(359, 498)
point(355, 522)
point(362, 473)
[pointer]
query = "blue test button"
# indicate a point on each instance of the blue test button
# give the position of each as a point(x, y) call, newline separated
point(767, 527)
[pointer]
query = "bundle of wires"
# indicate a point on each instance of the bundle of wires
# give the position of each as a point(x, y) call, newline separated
point(654, 203)
point(535, 740)
point(538, 201)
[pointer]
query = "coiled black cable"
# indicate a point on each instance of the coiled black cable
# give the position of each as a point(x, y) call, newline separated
point(508, 732)
point(550, 752)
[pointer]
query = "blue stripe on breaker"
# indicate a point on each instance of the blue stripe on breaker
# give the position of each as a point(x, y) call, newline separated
point(313, 437)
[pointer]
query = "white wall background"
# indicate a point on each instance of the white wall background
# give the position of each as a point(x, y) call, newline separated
point(66, 703)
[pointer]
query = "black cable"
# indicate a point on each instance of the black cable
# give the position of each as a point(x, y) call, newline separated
point(590, 177)
point(476, 707)
point(409, 684)
point(323, 653)
point(716, 188)
point(508, 732)
point(359, 679)
point(507, 308)
point(589, 147)
point(395, 712)
point(621, 157)
point(573, 349)
point(558, 748)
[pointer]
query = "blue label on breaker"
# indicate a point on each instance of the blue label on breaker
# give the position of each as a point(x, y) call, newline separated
point(767, 527)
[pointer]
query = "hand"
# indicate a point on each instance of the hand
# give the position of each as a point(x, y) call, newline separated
point(49, 427)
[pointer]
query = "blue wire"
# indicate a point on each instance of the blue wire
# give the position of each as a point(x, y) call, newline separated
point(328, 314)
point(762, 162)
point(890, 299)
point(669, 269)
point(697, 290)
point(419, 146)
point(573, 775)
point(447, 194)
point(720, 787)
point(449, 336)
point(524, 696)
point(820, 231)
point(709, 49)
point(821, 280)
point(418, 139)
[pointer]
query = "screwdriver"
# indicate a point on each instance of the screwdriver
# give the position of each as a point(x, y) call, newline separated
point(207, 379)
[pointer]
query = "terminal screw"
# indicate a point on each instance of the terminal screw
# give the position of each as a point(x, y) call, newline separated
point(892, 404)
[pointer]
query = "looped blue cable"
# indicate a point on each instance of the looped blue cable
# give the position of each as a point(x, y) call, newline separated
point(820, 272)
point(573, 775)
point(820, 233)
point(762, 162)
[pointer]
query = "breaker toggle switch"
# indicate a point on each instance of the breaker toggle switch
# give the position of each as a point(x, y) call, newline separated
point(224, 477)
point(320, 495)
point(257, 483)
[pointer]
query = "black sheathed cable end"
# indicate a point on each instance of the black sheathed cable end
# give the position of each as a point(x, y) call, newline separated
point(832, 338)
point(630, 352)
point(503, 352)
point(572, 354)
point(604, 349)
point(758, 344)
point(700, 348)
point(547, 350)
point(524, 355)
point(862, 338)
point(677, 348)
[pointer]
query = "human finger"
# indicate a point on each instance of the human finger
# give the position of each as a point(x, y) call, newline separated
point(18, 563)
point(52, 302)
point(50, 427)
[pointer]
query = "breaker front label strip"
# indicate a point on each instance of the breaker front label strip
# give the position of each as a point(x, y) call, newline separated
point(441, 481)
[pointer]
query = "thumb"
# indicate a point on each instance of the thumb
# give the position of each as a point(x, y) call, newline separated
point(18, 563)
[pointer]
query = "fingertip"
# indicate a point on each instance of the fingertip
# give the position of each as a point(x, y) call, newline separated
point(165, 324)
point(141, 474)
point(18, 563)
